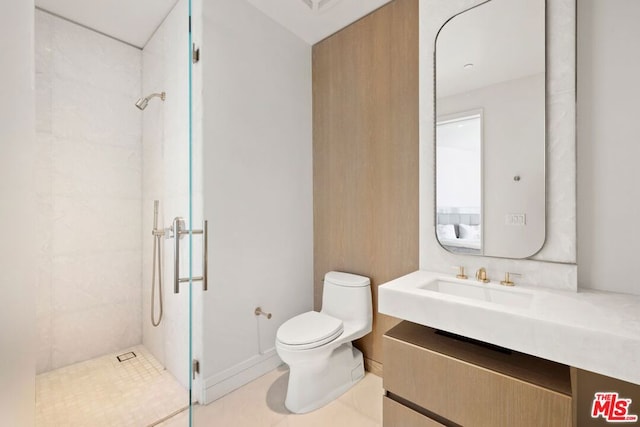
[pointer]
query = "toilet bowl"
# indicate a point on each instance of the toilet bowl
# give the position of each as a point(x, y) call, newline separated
point(317, 346)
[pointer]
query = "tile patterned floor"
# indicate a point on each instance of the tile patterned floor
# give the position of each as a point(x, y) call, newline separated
point(106, 392)
point(261, 404)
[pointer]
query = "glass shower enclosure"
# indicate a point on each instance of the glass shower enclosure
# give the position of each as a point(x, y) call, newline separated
point(124, 248)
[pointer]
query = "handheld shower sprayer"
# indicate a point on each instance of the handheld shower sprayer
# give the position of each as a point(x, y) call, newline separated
point(156, 203)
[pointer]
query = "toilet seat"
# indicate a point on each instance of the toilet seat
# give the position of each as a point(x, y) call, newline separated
point(309, 330)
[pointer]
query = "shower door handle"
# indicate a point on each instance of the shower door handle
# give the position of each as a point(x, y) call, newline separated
point(205, 255)
point(179, 231)
point(177, 228)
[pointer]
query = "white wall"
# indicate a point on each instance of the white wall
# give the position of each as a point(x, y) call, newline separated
point(17, 213)
point(608, 145)
point(89, 169)
point(166, 178)
point(513, 144)
point(258, 188)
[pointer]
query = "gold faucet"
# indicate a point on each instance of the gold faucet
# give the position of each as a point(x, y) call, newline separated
point(481, 275)
point(507, 279)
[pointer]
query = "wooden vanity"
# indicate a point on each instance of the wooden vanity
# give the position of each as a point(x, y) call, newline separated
point(433, 379)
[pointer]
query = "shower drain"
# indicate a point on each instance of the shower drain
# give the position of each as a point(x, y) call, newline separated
point(126, 356)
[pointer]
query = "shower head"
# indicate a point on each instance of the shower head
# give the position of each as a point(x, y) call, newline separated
point(143, 102)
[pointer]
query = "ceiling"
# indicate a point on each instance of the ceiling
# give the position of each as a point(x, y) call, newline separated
point(134, 22)
point(131, 21)
point(314, 20)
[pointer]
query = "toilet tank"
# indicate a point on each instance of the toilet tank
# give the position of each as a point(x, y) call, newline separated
point(347, 297)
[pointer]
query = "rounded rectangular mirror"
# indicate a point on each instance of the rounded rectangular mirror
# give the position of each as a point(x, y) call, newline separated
point(490, 130)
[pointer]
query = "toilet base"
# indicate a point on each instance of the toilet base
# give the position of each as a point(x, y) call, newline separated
point(314, 384)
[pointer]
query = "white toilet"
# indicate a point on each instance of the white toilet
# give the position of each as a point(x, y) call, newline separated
point(323, 363)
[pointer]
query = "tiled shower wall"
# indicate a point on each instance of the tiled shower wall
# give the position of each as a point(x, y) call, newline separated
point(165, 177)
point(89, 191)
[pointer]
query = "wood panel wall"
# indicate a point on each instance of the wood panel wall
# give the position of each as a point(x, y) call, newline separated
point(365, 155)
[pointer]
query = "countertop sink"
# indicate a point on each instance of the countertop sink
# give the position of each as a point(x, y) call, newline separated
point(489, 292)
point(591, 330)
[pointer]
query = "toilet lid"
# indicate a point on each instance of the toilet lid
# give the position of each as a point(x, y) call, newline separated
point(309, 328)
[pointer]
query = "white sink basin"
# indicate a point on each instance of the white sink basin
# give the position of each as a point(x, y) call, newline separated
point(480, 292)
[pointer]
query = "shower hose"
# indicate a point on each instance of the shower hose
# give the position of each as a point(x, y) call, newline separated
point(157, 260)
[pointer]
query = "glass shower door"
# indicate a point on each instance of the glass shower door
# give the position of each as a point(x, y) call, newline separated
point(118, 270)
point(185, 260)
point(172, 60)
point(195, 217)
point(168, 137)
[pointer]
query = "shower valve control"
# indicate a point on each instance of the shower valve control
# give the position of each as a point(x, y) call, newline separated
point(177, 229)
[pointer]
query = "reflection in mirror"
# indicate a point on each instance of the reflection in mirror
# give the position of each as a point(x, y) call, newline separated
point(459, 181)
point(490, 130)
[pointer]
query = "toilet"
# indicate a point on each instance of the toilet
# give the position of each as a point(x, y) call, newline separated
point(323, 363)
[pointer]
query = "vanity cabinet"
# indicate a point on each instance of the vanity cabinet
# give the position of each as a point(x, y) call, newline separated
point(433, 379)
point(396, 414)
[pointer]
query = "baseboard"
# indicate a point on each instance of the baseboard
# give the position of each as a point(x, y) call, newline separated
point(229, 380)
point(373, 367)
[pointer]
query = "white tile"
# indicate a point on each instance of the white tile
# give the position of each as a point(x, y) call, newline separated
point(44, 284)
point(165, 177)
point(43, 23)
point(84, 281)
point(44, 69)
point(561, 42)
point(176, 164)
point(84, 56)
point(153, 58)
point(44, 103)
point(43, 225)
point(84, 113)
point(89, 185)
point(43, 340)
point(44, 295)
point(153, 174)
point(95, 225)
point(84, 169)
point(560, 242)
point(176, 330)
point(84, 334)
point(103, 391)
point(43, 166)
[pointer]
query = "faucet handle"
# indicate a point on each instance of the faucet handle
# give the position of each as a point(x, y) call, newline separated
point(460, 274)
point(507, 279)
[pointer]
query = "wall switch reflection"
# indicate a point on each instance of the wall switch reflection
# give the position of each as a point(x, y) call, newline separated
point(516, 219)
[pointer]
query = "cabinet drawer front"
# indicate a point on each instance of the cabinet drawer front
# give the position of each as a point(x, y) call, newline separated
point(396, 415)
point(467, 394)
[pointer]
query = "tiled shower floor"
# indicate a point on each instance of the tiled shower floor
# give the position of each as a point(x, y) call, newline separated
point(105, 392)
